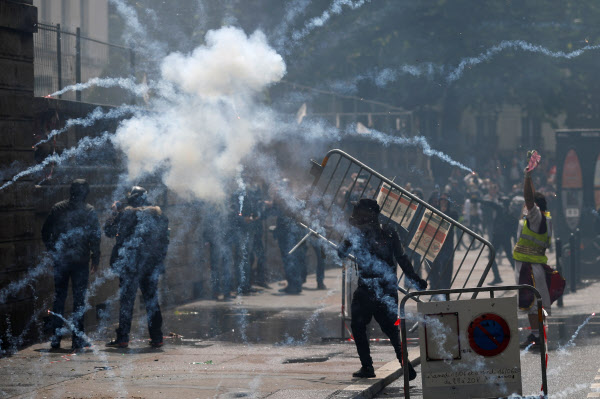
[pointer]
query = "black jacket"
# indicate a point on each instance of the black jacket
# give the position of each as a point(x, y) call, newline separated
point(142, 239)
point(377, 250)
point(71, 233)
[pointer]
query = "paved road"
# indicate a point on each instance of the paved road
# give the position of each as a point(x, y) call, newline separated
point(262, 345)
point(271, 345)
point(574, 356)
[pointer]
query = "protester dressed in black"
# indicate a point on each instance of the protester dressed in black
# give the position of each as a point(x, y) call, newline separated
point(376, 250)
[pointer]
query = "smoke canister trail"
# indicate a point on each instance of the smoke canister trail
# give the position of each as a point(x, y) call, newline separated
point(241, 187)
point(84, 144)
point(418, 141)
point(430, 69)
point(514, 44)
point(292, 10)
point(124, 83)
point(94, 116)
point(136, 34)
point(335, 8)
point(571, 341)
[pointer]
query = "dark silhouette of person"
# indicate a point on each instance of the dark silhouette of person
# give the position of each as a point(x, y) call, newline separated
point(71, 234)
point(504, 226)
point(217, 237)
point(440, 276)
point(376, 250)
point(320, 266)
point(251, 229)
point(288, 233)
point(142, 239)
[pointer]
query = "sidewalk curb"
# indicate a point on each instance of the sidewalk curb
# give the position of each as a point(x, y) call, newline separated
point(367, 388)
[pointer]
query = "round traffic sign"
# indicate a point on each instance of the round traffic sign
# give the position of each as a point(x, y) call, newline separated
point(489, 334)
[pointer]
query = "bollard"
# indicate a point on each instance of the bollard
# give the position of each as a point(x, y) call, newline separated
point(59, 58)
point(558, 246)
point(572, 261)
point(78, 61)
point(578, 255)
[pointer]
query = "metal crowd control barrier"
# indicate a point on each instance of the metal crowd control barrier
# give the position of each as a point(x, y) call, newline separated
point(341, 179)
point(475, 291)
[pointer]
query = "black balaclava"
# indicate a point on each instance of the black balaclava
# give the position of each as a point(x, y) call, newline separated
point(365, 213)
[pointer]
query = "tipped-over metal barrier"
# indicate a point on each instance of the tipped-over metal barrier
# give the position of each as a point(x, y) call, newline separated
point(431, 238)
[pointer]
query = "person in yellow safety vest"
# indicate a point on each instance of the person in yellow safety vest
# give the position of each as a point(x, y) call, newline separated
point(535, 232)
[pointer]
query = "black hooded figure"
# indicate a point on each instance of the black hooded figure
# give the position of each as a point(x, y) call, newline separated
point(377, 250)
point(142, 239)
point(71, 234)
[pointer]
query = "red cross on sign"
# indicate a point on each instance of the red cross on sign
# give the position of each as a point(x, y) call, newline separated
point(488, 334)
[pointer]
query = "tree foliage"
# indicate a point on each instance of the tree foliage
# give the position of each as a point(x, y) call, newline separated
point(356, 44)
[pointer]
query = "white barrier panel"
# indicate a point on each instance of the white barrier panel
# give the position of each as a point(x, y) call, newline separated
point(470, 348)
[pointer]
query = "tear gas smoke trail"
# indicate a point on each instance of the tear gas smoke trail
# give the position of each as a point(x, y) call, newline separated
point(418, 141)
point(100, 354)
point(244, 280)
point(124, 83)
point(84, 144)
point(292, 10)
point(335, 9)
point(241, 187)
point(96, 115)
point(572, 340)
point(429, 69)
point(526, 349)
point(43, 267)
point(515, 44)
point(136, 35)
point(244, 326)
point(254, 384)
point(310, 322)
point(567, 393)
point(16, 286)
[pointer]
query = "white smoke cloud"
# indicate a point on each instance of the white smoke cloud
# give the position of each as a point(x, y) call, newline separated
point(206, 118)
point(230, 64)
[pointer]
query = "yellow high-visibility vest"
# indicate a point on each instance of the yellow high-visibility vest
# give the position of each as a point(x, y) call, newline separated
point(531, 246)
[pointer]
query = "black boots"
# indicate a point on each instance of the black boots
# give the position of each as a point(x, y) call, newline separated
point(364, 372)
point(412, 374)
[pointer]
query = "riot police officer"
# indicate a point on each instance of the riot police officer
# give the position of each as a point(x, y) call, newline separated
point(71, 234)
point(142, 238)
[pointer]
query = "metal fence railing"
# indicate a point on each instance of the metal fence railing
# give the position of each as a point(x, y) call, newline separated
point(431, 238)
point(63, 57)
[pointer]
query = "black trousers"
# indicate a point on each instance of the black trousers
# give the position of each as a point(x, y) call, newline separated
point(502, 242)
point(257, 251)
point(148, 284)
point(320, 269)
point(221, 263)
point(78, 274)
point(364, 307)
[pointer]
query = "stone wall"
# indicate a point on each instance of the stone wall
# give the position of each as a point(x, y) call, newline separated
point(17, 211)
